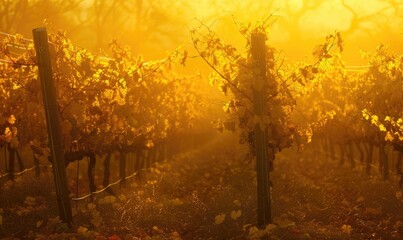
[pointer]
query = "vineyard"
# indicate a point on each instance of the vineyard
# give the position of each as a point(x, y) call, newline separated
point(110, 145)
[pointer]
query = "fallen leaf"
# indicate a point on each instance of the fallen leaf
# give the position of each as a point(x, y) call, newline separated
point(246, 226)
point(360, 199)
point(270, 227)
point(237, 203)
point(345, 202)
point(157, 230)
point(219, 218)
point(373, 211)
point(175, 236)
point(236, 214)
point(91, 206)
point(39, 223)
point(255, 233)
point(346, 229)
point(122, 197)
point(82, 230)
point(284, 223)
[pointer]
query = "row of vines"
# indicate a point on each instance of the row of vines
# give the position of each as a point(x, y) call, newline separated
point(342, 111)
point(115, 105)
point(121, 104)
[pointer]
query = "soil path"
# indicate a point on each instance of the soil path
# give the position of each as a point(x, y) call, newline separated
point(210, 192)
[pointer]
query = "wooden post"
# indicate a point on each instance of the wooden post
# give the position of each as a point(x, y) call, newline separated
point(370, 152)
point(37, 166)
point(52, 123)
point(134, 162)
point(165, 151)
point(19, 159)
point(146, 154)
point(129, 163)
point(350, 153)
point(153, 155)
point(5, 158)
point(107, 169)
point(122, 168)
point(91, 171)
point(11, 160)
point(138, 160)
point(258, 50)
point(399, 163)
point(383, 161)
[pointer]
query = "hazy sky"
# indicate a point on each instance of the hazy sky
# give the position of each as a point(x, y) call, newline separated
point(153, 27)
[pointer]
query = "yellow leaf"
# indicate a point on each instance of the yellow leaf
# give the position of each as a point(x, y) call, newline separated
point(246, 226)
point(365, 114)
point(360, 199)
point(236, 214)
point(8, 134)
point(373, 211)
point(82, 230)
point(39, 223)
point(150, 144)
point(382, 128)
point(237, 203)
point(255, 233)
point(374, 119)
point(12, 119)
point(177, 202)
point(270, 227)
point(122, 197)
point(253, 230)
point(175, 236)
point(389, 137)
point(284, 223)
point(219, 219)
point(156, 229)
point(346, 229)
point(91, 206)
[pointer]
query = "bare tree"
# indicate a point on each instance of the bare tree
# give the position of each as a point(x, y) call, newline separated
point(373, 22)
point(20, 16)
point(139, 21)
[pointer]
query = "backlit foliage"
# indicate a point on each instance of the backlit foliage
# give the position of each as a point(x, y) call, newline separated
point(233, 74)
point(105, 103)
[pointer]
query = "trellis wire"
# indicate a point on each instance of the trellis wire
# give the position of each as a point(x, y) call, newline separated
point(103, 189)
point(23, 171)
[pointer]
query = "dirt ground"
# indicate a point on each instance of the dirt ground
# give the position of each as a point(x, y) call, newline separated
point(209, 193)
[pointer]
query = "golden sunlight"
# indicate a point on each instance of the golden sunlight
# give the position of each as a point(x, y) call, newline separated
point(209, 119)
